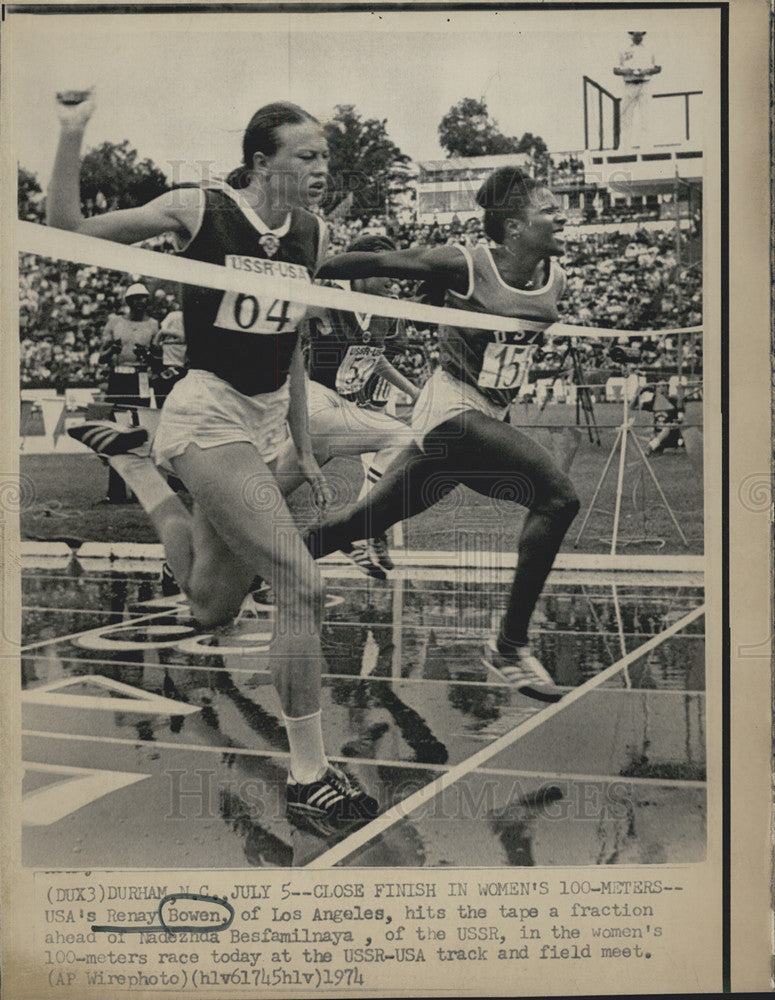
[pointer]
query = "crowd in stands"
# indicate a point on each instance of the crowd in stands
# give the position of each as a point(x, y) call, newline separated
point(63, 309)
point(615, 280)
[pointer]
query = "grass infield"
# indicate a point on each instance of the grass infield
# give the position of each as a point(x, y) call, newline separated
point(63, 495)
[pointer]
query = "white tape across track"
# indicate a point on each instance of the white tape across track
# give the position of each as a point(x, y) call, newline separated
point(60, 244)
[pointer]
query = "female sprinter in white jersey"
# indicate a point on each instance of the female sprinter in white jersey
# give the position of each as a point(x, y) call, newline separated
point(223, 427)
point(459, 418)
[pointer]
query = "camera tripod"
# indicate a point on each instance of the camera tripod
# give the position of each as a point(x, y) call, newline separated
point(584, 401)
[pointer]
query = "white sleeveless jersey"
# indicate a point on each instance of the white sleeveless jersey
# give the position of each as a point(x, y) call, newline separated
point(495, 362)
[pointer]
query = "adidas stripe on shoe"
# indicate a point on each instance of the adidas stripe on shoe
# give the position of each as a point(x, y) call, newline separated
point(523, 671)
point(360, 555)
point(108, 439)
point(335, 797)
point(380, 552)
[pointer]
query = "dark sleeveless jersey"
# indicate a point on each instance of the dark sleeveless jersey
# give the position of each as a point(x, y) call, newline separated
point(497, 363)
point(247, 339)
point(344, 348)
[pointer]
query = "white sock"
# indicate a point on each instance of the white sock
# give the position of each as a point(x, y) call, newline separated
point(308, 757)
point(369, 475)
point(374, 465)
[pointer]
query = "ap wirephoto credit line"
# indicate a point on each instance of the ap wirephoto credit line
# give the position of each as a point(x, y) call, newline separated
point(364, 547)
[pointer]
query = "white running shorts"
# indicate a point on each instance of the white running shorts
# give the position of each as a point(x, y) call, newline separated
point(340, 427)
point(444, 397)
point(204, 410)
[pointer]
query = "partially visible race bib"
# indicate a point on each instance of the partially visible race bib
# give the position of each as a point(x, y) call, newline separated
point(505, 366)
point(379, 391)
point(357, 365)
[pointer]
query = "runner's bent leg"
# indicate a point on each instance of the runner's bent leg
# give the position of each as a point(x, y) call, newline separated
point(169, 517)
point(238, 494)
point(240, 499)
point(218, 579)
point(401, 493)
point(506, 462)
point(485, 454)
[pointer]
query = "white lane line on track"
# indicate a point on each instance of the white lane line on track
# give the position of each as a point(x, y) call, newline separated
point(398, 812)
point(102, 629)
point(473, 634)
point(238, 751)
point(252, 671)
point(78, 611)
point(644, 587)
point(593, 778)
point(431, 559)
point(373, 761)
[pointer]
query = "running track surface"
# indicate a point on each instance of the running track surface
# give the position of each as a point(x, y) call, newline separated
point(146, 745)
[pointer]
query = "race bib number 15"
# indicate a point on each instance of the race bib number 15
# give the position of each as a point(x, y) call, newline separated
point(505, 365)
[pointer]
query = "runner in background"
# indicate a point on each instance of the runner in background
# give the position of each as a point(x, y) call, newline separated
point(168, 356)
point(350, 379)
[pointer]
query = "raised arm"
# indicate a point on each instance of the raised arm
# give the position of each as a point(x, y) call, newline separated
point(447, 265)
point(176, 211)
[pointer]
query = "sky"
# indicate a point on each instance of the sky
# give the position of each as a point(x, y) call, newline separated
point(182, 88)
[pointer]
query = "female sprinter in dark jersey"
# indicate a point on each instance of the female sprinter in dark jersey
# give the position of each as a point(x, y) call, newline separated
point(458, 420)
point(223, 428)
point(349, 369)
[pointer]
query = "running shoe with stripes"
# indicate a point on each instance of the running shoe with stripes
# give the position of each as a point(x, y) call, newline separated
point(359, 553)
point(523, 671)
point(107, 438)
point(380, 554)
point(334, 798)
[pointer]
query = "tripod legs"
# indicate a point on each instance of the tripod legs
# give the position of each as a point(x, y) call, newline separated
point(621, 442)
point(668, 508)
point(583, 398)
point(599, 486)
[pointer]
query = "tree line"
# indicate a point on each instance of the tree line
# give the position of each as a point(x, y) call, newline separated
point(367, 169)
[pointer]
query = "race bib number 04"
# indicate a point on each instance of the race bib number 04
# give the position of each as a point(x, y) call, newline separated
point(253, 315)
point(356, 367)
point(505, 366)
